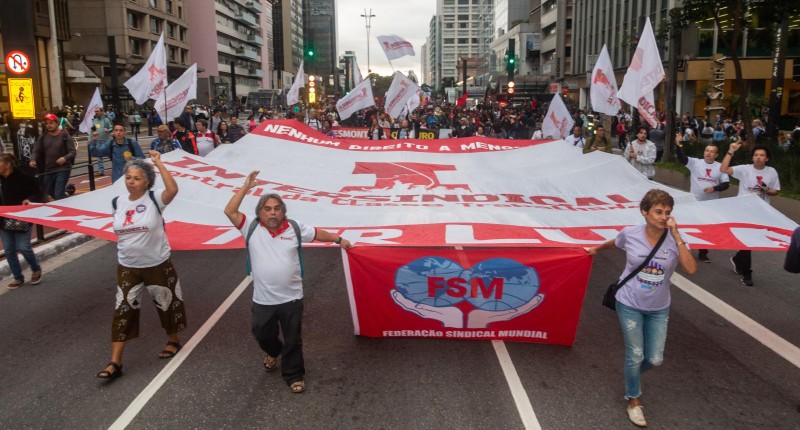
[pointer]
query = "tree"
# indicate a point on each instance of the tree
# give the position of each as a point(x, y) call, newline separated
point(731, 19)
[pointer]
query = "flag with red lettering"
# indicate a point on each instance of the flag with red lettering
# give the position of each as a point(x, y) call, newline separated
point(399, 93)
point(359, 98)
point(523, 294)
point(603, 90)
point(557, 123)
point(177, 95)
point(644, 74)
point(395, 47)
point(293, 95)
point(94, 104)
point(469, 192)
point(149, 82)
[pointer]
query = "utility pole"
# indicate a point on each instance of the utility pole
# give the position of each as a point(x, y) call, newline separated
point(368, 17)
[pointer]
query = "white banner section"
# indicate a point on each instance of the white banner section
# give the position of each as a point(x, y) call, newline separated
point(467, 191)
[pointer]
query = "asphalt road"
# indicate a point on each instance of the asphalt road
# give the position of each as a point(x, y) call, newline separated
point(54, 337)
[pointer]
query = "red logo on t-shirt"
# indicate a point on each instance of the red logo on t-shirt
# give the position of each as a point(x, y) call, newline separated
point(128, 218)
point(708, 173)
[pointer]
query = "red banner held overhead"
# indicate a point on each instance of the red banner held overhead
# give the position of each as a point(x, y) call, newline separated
point(523, 295)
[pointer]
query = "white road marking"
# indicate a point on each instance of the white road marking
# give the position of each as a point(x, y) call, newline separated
point(757, 331)
point(141, 400)
point(521, 399)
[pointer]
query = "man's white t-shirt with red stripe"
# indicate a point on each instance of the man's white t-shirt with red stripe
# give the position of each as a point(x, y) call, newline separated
point(274, 262)
point(141, 241)
point(205, 142)
point(751, 179)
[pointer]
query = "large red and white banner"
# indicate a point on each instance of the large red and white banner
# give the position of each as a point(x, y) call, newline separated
point(448, 192)
point(523, 295)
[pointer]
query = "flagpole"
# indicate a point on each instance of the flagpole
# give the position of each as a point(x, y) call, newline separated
point(166, 72)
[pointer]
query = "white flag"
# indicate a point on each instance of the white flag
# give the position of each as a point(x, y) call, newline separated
point(357, 78)
point(151, 79)
point(643, 75)
point(395, 47)
point(557, 124)
point(96, 103)
point(293, 96)
point(360, 98)
point(178, 95)
point(603, 91)
point(401, 90)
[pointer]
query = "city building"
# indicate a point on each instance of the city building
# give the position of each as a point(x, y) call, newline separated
point(113, 34)
point(287, 21)
point(319, 35)
point(226, 34)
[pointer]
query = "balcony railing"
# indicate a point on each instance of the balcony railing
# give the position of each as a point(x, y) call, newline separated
point(254, 6)
point(246, 19)
point(256, 39)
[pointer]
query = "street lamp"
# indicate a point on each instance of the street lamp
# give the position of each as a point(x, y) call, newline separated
point(368, 17)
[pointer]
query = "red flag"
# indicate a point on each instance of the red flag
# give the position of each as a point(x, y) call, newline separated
point(462, 100)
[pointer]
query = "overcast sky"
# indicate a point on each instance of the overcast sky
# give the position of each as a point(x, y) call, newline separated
point(409, 19)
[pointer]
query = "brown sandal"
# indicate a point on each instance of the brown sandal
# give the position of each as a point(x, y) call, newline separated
point(270, 363)
point(298, 386)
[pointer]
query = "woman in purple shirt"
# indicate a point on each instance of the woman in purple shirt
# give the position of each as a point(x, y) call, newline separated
point(643, 302)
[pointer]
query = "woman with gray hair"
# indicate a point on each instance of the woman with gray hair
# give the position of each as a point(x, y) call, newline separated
point(143, 254)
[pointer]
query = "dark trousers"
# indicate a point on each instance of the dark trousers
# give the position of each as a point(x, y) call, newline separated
point(267, 319)
point(744, 261)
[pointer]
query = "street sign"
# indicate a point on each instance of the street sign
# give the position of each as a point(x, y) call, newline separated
point(18, 63)
point(20, 92)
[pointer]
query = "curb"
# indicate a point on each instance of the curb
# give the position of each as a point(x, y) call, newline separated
point(48, 250)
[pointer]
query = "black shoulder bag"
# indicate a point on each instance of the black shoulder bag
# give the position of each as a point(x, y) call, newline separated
point(610, 298)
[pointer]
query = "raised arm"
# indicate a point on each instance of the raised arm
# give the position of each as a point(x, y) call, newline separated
point(726, 161)
point(170, 186)
point(232, 208)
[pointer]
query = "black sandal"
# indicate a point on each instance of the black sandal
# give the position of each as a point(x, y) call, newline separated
point(165, 353)
point(105, 374)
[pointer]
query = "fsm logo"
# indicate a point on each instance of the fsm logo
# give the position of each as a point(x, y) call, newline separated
point(497, 289)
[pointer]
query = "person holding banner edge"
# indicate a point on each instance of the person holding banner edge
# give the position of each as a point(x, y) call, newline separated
point(643, 303)
point(273, 244)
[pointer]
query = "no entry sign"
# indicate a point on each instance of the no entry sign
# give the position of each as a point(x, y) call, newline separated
point(17, 62)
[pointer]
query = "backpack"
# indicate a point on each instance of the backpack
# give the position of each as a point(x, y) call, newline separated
point(152, 195)
point(252, 228)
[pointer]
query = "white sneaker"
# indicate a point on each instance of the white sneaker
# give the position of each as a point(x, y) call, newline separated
point(636, 415)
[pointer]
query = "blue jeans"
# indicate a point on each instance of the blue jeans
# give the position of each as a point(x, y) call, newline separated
point(644, 333)
point(101, 168)
point(55, 183)
point(14, 242)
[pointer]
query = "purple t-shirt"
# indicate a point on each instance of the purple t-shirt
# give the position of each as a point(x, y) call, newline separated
point(649, 289)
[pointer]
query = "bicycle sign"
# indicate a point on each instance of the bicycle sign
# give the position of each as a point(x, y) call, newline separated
point(17, 62)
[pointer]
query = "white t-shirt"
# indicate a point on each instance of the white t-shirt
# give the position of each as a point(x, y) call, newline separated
point(649, 289)
point(578, 142)
point(141, 240)
point(205, 142)
point(750, 179)
point(275, 264)
point(704, 175)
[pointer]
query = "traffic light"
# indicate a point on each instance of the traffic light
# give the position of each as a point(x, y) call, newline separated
point(312, 89)
point(511, 59)
point(510, 87)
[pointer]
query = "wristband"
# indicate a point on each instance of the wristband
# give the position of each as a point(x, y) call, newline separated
point(338, 241)
point(730, 153)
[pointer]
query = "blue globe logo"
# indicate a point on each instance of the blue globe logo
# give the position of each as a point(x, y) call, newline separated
point(496, 284)
point(411, 280)
point(520, 284)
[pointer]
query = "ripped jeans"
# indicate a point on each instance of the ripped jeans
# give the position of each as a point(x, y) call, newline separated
point(644, 333)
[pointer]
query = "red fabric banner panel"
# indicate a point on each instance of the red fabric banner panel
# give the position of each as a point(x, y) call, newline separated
point(515, 294)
